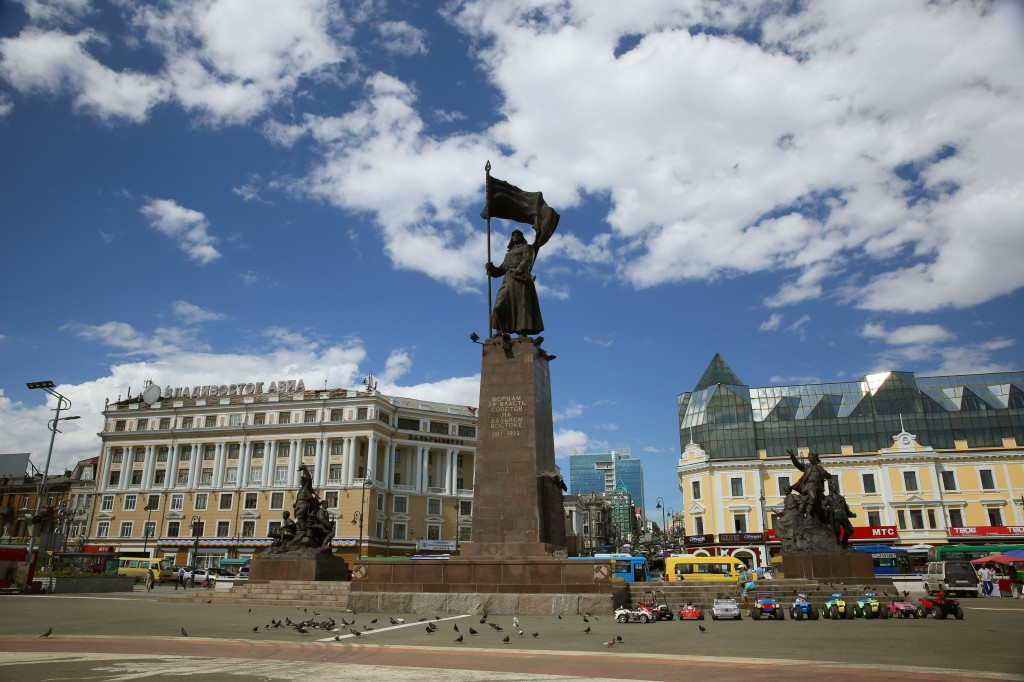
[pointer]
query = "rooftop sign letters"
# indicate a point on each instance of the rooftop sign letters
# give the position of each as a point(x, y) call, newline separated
point(213, 391)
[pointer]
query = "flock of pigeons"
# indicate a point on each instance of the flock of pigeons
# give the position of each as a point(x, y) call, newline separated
point(329, 624)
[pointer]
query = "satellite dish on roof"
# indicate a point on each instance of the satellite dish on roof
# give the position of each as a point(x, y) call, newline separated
point(151, 394)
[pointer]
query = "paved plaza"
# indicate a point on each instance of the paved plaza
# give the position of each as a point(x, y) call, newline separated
point(139, 636)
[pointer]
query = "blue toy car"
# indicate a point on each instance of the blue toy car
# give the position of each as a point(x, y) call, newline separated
point(802, 608)
point(765, 605)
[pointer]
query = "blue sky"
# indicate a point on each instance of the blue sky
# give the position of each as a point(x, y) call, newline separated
point(224, 190)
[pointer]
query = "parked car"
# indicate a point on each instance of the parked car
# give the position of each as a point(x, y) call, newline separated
point(725, 607)
point(766, 606)
point(951, 577)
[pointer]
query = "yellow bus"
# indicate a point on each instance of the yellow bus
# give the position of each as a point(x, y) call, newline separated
point(163, 569)
point(704, 568)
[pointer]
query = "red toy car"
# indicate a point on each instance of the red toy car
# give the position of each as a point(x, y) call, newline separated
point(689, 611)
point(655, 602)
point(940, 606)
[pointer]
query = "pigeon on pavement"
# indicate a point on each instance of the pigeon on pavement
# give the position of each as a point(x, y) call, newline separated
point(48, 632)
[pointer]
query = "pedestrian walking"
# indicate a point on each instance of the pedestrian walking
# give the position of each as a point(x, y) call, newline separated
point(985, 576)
point(179, 578)
point(149, 580)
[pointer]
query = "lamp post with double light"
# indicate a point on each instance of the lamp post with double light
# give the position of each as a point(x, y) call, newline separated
point(62, 404)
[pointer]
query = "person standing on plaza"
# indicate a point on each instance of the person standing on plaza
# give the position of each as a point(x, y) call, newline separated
point(985, 576)
point(744, 585)
point(181, 579)
point(149, 580)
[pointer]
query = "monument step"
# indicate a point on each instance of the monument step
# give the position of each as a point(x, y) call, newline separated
point(285, 593)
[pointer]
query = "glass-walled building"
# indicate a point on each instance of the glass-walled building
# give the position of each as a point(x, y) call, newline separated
point(732, 420)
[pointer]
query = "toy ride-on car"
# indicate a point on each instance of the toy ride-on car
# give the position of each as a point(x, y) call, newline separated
point(766, 606)
point(639, 614)
point(836, 608)
point(901, 609)
point(655, 602)
point(725, 607)
point(802, 608)
point(940, 606)
point(689, 611)
point(868, 607)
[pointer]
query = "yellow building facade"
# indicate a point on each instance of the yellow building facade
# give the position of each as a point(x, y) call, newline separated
point(221, 464)
point(907, 495)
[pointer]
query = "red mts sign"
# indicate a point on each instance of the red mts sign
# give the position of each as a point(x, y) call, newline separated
point(859, 533)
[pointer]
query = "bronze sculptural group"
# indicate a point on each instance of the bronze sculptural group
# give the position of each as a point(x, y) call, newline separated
point(312, 526)
point(811, 520)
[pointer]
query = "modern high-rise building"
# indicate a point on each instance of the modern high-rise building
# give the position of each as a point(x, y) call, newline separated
point(606, 471)
point(922, 461)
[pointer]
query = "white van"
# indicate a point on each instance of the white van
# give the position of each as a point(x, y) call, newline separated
point(952, 577)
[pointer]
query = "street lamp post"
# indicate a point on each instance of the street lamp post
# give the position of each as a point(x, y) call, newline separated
point(195, 543)
point(145, 529)
point(367, 482)
point(62, 404)
point(458, 508)
point(671, 515)
point(661, 506)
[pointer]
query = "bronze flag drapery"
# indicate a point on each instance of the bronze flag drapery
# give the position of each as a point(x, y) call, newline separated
point(505, 200)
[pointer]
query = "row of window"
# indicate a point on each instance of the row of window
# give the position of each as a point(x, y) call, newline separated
point(917, 519)
point(256, 476)
point(250, 501)
point(308, 417)
point(910, 483)
point(399, 530)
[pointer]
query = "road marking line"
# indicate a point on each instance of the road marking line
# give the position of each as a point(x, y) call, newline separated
point(364, 633)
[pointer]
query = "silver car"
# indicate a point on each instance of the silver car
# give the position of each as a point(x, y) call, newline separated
point(725, 607)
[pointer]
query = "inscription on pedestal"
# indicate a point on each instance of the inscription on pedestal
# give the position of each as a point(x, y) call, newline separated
point(506, 416)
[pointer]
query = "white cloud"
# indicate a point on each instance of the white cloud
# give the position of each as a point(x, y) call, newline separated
point(568, 441)
point(56, 62)
point(773, 322)
point(402, 38)
point(911, 334)
point(865, 151)
point(971, 358)
point(228, 60)
point(184, 226)
point(572, 410)
point(190, 313)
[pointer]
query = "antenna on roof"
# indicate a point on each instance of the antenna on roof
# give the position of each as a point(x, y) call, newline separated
point(901, 423)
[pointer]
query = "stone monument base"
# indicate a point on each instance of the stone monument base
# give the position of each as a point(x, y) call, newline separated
point(526, 585)
point(846, 566)
point(320, 567)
